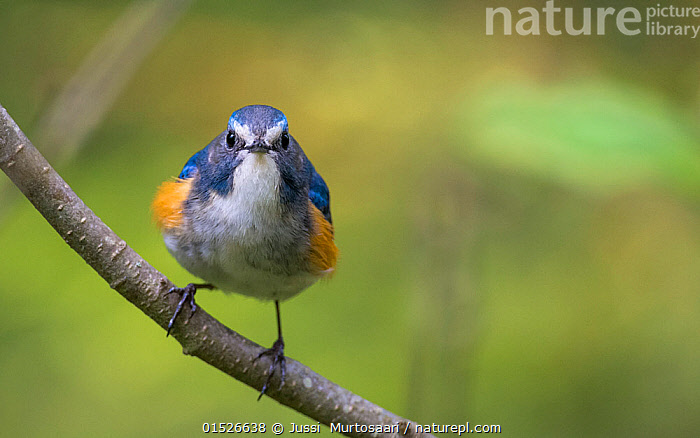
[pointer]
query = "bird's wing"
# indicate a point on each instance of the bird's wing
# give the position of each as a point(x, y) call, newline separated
point(318, 192)
point(191, 166)
point(324, 254)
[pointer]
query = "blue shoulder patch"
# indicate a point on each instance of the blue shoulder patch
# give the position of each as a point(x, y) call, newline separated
point(191, 166)
point(318, 192)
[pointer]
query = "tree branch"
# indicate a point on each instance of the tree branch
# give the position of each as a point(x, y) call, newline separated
point(91, 91)
point(146, 288)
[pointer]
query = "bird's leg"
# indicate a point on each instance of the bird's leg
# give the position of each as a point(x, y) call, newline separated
point(277, 355)
point(187, 293)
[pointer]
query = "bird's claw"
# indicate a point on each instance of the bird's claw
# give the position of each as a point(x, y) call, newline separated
point(187, 293)
point(277, 356)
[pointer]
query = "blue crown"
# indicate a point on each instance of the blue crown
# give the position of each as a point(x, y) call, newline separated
point(258, 118)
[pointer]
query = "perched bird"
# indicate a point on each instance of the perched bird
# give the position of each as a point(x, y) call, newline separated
point(249, 214)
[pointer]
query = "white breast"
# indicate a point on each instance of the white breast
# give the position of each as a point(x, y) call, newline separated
point(251, 211)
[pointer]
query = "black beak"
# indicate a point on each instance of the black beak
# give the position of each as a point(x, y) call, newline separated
point(258, 146)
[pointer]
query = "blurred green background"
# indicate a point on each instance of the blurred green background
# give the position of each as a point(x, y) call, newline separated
point(518, 217)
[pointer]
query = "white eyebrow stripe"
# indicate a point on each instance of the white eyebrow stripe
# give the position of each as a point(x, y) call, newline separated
point(273, 133)
point(244, 132)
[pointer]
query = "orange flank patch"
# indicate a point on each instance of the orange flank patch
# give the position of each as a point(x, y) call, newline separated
point(167, 205)
point(324, 253)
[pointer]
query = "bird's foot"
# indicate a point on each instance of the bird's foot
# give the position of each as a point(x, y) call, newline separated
point(187, 293)
point(276, 353)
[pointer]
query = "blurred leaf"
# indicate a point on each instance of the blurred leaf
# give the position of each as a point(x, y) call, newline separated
point(595, 136)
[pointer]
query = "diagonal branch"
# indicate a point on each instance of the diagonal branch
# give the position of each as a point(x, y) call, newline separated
point(92, 90)
point(140, 283)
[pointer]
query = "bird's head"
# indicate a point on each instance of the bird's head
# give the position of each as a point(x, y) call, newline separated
point(256, 142)
point(258, 129)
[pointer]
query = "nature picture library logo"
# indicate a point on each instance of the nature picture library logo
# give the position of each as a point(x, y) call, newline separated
point(657, 19)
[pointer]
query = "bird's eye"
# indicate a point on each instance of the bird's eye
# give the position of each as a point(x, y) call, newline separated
point(231, 140)
point(285, 140)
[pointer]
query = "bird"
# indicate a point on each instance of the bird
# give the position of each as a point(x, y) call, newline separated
point(249, 214)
